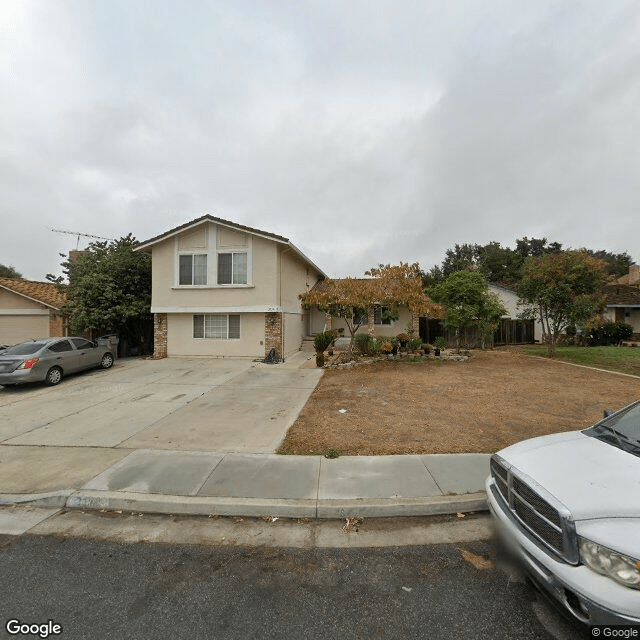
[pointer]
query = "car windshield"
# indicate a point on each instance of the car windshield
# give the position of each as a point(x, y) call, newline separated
point(625, 424)
point(23, 349)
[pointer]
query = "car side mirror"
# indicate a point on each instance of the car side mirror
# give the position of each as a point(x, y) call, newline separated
point(607, 413)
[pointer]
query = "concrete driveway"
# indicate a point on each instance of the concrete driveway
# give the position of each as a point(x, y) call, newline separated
point(177, 403)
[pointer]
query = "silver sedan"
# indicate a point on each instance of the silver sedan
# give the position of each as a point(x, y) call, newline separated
point(49, 359)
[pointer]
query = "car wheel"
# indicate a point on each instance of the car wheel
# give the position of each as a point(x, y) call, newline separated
point(107, 361)
point(54, 376)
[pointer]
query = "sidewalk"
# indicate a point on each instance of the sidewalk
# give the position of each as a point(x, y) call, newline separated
point(234, 484)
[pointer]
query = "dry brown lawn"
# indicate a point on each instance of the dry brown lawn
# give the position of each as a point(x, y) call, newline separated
point(492, 400)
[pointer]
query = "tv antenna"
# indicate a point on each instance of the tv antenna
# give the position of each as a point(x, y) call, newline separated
point(77, 233)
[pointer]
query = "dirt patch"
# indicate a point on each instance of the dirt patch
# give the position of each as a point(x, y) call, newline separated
point(492, 400)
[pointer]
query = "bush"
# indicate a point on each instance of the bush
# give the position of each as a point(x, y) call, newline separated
point(386, 347)
point(610, 333)
point(426, 347)
point(363, 343)
point(439, 343)
point(403, 338)
point(322, 341)
point(415, 344)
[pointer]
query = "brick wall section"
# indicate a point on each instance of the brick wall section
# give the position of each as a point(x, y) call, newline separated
point(56, 325)
point(371, 321)
point(415, 324)
point(273, 333)
point(159, 336)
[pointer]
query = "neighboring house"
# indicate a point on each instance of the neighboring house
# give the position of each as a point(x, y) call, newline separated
point(633, 277)
point(514, 330)
point(30, 309)
point(226, 290)
point(623, 304)
point(622, 298)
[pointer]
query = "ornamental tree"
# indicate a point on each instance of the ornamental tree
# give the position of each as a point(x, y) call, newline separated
point(562, 289)
point(468, 302)
point(390, 286)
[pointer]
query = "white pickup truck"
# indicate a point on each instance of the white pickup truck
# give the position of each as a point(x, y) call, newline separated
point(568, 504)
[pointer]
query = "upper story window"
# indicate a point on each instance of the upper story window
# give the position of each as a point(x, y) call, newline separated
point(232, 267)
point(193, 269)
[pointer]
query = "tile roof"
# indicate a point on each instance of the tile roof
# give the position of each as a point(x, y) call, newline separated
point(45, 292)
point(622, 294)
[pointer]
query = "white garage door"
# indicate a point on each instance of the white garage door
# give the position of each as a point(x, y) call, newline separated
point(14, 328)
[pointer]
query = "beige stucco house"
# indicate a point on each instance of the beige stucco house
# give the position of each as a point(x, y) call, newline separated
point(222, 289)
point(30, 309)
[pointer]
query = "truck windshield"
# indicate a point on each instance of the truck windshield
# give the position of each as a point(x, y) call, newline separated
point(621, 429)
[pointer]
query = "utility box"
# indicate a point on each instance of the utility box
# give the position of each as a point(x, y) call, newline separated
point(110, 341)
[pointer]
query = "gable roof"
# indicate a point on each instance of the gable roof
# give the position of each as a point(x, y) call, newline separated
point(147, 244)
point(44, 292)
point(622, 295)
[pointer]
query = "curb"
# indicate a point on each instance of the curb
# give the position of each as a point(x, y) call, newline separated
point(251, 507)
point(52, 499)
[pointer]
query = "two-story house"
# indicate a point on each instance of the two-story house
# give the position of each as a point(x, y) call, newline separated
point(226, 290)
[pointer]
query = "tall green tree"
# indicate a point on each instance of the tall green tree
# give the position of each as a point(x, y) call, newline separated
point(109, 290)
point(468, 303)
point(562, 289)
point(9, 272)
point(616, 264)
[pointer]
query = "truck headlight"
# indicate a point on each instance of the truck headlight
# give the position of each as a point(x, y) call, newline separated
point(617, 566)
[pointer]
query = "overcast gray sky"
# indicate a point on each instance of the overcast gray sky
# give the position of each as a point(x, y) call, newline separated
point(365, 131)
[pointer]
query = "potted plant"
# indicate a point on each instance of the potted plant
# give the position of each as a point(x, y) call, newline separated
point(320, 343)
point(438, 345)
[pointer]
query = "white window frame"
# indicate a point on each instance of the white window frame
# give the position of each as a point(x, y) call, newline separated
point(232, 253)
point(204, 317)
point(192, 254)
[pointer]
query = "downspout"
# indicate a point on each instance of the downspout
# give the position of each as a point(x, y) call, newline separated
point(280, 303)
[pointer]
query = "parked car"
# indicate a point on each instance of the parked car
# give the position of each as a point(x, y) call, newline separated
point(568, 505)
point(50, 359)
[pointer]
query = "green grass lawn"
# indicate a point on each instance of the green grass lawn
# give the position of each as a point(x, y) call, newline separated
point(623, 359)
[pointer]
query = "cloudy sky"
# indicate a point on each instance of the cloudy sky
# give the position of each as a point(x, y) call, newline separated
point(365, 131)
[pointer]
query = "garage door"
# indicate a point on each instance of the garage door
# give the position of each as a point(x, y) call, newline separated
point(15, 328)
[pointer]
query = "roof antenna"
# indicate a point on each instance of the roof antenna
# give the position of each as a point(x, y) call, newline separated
point(77, 233)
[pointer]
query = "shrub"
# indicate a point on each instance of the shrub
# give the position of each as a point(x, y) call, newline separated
point(322, 341)
point(439, 343)
point(386, 347)
point(610, 333)
point(364, 343)
point(426, 347)
point(403, 338)
point(374, 347)
point(415, 344)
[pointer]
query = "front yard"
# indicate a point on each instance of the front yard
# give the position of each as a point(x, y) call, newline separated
point(623, 359)
point(494, 399)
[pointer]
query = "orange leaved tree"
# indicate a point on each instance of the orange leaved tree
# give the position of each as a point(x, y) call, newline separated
point(390, 286)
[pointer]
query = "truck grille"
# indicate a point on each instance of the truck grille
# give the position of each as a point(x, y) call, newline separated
point(536, 514)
